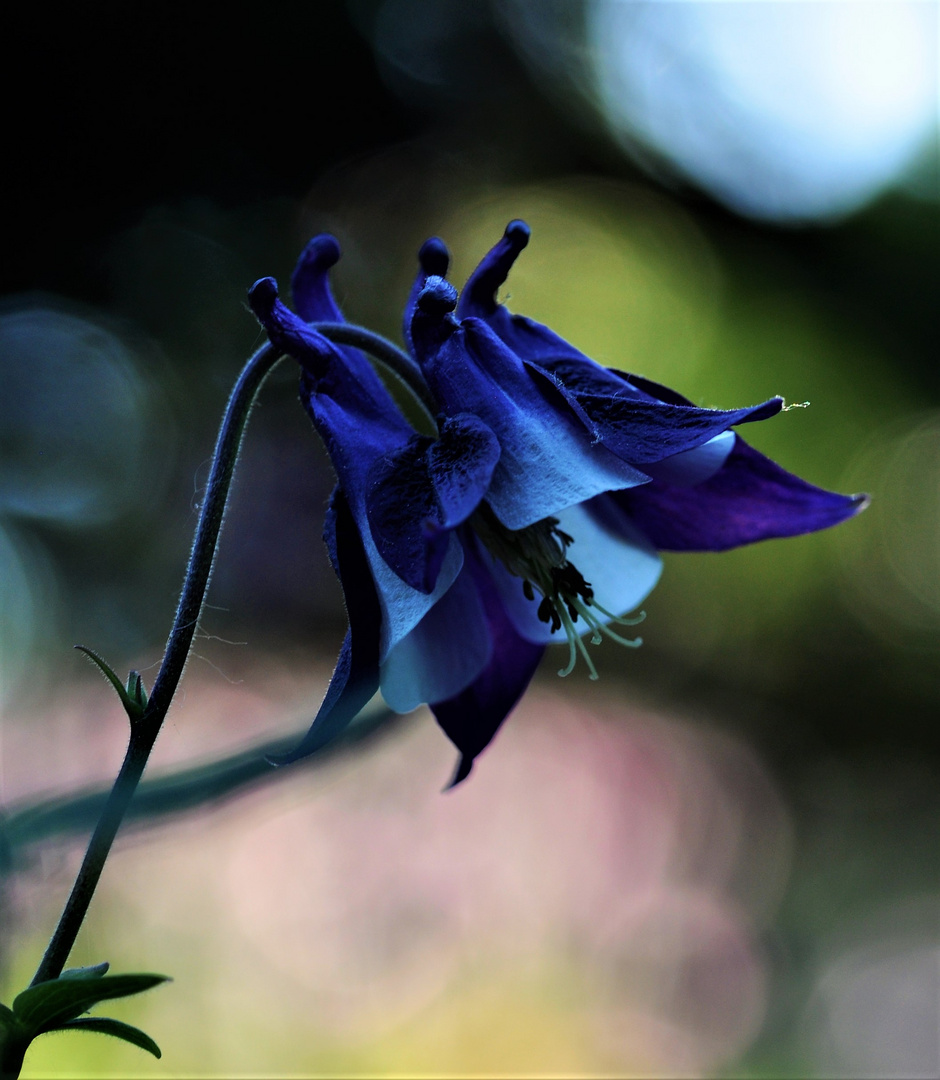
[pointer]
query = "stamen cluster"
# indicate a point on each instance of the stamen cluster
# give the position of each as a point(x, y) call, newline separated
point(538, 554)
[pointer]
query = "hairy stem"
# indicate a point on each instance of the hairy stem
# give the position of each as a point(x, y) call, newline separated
point(145, 730)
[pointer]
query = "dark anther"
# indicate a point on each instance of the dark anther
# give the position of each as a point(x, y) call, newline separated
point(528, 590)
point(568, 581)
point(547, 613)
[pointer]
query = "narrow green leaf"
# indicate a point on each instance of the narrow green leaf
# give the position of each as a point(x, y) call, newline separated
point(132, 705)
point(119, 1030)
point(7, 1018)
point(56, 1001)
point(135, 689)
point(93, 972)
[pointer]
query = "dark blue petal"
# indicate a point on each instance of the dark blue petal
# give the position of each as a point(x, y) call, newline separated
point(642, 430)
point(310, 282)
point(352, 410)
point(419, 494)
point(478, 298)
point(750, 498)
point(443, 653)
point(360, 426)
point(471, 718)
point(356, 677)
point(433, 261)
point(460, 463)
point(403, 515)
point(634, 418)
point(313, 297)
point(547, 458)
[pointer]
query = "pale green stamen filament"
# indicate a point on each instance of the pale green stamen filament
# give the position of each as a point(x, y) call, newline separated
point(575, 640)
point(601, 628)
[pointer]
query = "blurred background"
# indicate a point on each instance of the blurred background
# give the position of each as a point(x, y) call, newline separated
point(720, 860)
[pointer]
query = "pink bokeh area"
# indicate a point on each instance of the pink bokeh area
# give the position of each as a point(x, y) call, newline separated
point(606, 872)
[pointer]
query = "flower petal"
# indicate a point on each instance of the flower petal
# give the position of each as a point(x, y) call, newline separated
point(478, 299)
point(360, 426)
point(433, 261)
point(694, 466)
point(310, 284)
point(460, 463)
point(750, 498)
point(547, 459)
point(356, 676)
point(421, 492)
point(472, 717)
point(643, 430)
point(443, 653)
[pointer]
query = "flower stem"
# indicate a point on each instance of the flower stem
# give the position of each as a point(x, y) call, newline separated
point(144, 731)
point(387, 353)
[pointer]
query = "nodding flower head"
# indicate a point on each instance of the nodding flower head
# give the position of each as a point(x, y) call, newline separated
point(535, 512)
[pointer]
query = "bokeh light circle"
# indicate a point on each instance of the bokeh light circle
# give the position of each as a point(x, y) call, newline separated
point(72, 418)
point(786, 112)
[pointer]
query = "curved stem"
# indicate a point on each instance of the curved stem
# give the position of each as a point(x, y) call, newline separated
point(144, 731)
point(202, 556)
point(387, 353)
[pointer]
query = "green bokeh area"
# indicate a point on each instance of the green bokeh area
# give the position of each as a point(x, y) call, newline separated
point(720, 860)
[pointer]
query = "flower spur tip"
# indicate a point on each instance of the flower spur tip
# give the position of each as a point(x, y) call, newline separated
point(321, 253)
point(518, 232)
point(262, 295)
point(434, 257)
point(438, 297)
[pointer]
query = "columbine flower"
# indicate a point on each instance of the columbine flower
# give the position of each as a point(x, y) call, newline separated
point(532, 516)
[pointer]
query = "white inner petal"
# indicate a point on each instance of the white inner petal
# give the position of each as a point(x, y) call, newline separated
point(694, 466)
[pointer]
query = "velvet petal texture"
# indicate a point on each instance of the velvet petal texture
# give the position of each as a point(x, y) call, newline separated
point(547, 459)
point(634, 424)
point(419, 494)
point(361, 428)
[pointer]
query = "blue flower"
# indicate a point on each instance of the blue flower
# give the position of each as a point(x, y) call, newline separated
point(532, 515)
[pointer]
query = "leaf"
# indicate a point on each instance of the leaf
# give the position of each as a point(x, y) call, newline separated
point(95, 971)
point(106, 1026)
point(7, 1017)
point(13, 1047)
point(132, 705)
point(135, 689)
point(14, 1042)
point(54, 1002)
